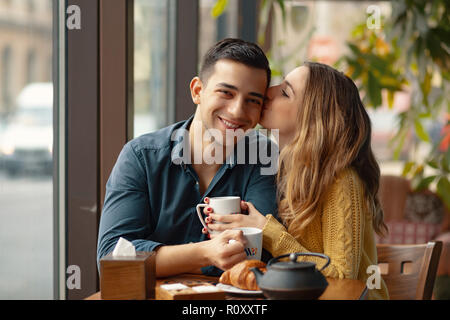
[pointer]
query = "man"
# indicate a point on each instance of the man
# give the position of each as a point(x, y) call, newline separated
point(152, 193)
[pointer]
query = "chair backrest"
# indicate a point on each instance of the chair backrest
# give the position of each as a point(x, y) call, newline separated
point(400, 202)
point(392, 193)
point(411, 269)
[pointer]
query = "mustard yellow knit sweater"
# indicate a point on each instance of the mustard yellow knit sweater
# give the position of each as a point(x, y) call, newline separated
point(342, 230)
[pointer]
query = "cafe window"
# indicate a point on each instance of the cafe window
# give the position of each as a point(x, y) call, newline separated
point(151, 61)
point(26, 146)
point(6, 82)
point(212, 29)
point(311, 30)
point(31, 66)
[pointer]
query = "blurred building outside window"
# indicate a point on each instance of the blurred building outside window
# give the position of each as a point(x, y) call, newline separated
point(26, 137)
point(150, 65)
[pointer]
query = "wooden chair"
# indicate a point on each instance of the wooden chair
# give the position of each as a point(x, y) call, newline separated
point(409, 270)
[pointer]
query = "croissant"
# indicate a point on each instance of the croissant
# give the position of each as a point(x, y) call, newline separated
point(240, 275)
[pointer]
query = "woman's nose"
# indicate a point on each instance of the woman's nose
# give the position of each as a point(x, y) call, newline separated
point(270, 93)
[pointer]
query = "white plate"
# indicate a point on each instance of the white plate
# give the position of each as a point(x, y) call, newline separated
point(232, 289)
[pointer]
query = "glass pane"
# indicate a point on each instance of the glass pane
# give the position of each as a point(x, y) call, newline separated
point(213, 29)
point(313, 31)
point(150, 65)
point(26, 137)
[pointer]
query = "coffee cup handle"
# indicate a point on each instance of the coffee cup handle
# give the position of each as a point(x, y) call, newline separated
point(200, 215)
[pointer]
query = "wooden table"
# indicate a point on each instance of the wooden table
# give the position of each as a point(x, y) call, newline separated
point(338, 289)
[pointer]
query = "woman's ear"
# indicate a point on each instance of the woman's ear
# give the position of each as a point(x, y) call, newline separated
point(196, 87)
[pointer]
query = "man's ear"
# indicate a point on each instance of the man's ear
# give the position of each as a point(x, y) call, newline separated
point(196, 87)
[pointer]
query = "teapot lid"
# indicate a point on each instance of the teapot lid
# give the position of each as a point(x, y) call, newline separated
point(291, 264)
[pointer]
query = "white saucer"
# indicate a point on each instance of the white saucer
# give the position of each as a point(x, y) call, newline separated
point(232, 289)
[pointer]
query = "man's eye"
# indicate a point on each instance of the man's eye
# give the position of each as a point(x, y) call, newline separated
point(255, 101)
point(225, 92)
point(283, 92)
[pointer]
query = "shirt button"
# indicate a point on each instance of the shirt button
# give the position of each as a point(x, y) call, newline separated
point(196, 183)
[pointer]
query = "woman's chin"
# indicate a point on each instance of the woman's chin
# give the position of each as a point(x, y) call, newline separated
point(265, 123)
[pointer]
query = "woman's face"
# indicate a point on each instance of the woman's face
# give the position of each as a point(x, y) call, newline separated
point(283, 101)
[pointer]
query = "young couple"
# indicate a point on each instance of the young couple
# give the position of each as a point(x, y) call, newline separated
point(325, 190)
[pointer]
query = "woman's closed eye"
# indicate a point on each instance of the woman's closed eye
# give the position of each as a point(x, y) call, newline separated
point(284, 93)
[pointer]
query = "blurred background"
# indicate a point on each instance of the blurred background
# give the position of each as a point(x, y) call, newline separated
point(26, 143)
point(396, 51)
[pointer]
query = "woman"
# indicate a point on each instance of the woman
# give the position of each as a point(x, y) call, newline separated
point(328, 177)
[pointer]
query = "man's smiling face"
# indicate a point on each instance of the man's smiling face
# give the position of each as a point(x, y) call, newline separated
point(231, 98)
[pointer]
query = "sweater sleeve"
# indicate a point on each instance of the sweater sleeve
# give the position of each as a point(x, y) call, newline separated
point(341, 231)
point(277, 240)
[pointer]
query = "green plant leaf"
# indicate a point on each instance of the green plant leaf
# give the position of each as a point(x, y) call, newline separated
point(425, 115)
point(425, 182)
point(425, 86)
point(374, 89)
point(417, 177)
point(407, 168)
point(400, 139)
point(433, 164)
point(420, 131)
point(219, 8)
point(358, 31)
point(354, 49)
point(378, 64)
point(418, 171)
point(390, 98)
point(443, 190)
point(358, 69)
point(445, 162)
point(276, 73)
point(436, 45)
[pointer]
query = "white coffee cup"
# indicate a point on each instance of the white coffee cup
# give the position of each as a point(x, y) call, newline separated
point(220, 205)
point(253, 249)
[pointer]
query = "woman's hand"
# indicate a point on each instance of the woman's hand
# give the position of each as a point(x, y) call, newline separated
point(253, 219)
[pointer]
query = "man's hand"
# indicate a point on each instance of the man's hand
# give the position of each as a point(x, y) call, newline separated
point(223, 253)
point(191, 257)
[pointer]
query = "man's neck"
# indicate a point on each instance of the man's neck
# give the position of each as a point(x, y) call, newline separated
point(198, 145)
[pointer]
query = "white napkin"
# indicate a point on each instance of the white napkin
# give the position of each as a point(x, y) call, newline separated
point(202, 289)
point(124, 248)
point(174, 286)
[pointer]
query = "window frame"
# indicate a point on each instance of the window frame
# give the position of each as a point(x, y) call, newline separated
point(95, 117)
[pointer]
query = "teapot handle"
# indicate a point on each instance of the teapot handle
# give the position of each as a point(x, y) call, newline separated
point(293, 257)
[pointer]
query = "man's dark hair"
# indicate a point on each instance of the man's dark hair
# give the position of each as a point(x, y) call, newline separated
point(237, 50)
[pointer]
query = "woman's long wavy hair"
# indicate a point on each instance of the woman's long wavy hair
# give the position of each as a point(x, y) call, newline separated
point(334, 133)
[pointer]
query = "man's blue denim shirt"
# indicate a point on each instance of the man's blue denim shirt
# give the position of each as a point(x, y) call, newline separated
point(151, 194)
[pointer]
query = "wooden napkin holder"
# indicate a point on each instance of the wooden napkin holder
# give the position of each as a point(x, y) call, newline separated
point(128, 278)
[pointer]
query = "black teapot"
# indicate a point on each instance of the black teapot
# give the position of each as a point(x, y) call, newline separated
point(292, 279)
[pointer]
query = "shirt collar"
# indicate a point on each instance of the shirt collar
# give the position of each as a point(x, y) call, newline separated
point(179, 132)
point(181, 135)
